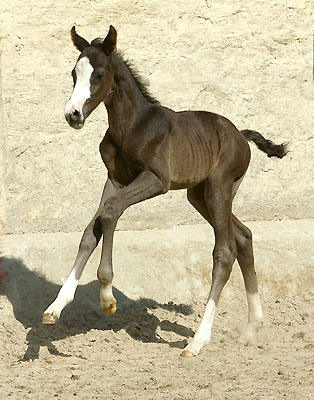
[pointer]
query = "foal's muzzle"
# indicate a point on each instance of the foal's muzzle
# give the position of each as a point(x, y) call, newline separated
point(75, 119)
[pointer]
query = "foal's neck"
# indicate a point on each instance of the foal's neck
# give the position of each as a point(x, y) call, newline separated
point(126, 103)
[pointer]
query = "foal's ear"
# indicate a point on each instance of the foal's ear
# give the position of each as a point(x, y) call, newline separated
point(79, 42)
point(110, 42)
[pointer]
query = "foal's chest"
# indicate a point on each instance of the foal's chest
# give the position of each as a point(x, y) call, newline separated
point(121, 166)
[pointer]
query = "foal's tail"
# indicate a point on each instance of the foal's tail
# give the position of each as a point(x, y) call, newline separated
point(267, 146)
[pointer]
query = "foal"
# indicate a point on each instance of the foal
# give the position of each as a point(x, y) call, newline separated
point(149, 149)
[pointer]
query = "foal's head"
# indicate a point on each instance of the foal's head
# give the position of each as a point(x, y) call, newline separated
point(92, 76)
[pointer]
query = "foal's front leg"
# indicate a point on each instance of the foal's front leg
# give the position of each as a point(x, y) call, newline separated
point(145, 186)
point(89, 242)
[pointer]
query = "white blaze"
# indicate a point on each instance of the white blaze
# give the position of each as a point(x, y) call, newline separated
point(81, 92)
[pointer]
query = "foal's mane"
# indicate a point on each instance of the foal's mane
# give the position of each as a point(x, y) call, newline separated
point(141, 85)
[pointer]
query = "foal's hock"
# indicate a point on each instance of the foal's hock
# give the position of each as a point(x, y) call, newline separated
point(149, 149)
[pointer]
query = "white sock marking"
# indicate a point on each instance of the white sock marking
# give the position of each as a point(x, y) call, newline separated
point(106, 295)
point(203, 333)
point(65, 295)
point(255, 319)
point(255, 308)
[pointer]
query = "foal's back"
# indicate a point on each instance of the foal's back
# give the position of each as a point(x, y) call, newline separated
point(200, 143)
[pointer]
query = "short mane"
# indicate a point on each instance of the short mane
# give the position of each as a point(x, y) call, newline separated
point(143, 87)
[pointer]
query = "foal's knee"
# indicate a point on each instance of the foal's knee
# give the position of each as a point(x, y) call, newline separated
point(112, 211)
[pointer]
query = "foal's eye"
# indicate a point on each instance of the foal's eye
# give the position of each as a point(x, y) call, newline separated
point(99, 77)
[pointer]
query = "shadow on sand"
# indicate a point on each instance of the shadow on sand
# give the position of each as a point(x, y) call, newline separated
point(30, 293)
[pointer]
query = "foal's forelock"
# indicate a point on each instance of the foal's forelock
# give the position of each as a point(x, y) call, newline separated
point(81, 92)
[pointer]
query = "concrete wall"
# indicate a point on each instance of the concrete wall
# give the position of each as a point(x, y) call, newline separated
point(251, 62)
point(175, 264)
point(2, 165)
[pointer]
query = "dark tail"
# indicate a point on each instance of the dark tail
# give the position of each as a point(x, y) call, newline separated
point(267, 146)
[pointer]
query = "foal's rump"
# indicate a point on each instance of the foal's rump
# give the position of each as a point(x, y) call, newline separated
point(213, 130)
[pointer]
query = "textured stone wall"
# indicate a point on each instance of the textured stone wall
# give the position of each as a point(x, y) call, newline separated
point(249, 61)
point(2, 165)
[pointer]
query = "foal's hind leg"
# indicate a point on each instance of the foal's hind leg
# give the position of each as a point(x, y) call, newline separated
point(243, 238)
point(89, 242)
point(213, 200)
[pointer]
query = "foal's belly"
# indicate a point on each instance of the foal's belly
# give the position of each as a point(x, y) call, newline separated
point(189, 169)
point(186, 182)
point(190, 163)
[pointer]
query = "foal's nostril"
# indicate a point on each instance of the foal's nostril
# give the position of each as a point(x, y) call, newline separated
point(75, 119)
point(75, 116)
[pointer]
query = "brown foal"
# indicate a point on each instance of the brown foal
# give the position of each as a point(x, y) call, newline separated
point(149, 149)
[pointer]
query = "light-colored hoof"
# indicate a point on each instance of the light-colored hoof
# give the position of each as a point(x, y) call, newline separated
point(110, 310)
point(187, 353)
point(248, 337)
point(49, 319)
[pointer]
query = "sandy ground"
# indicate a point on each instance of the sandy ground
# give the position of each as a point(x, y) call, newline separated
point(135, 353)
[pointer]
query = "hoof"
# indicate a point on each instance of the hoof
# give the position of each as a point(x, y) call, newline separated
point(49, 319)
point(110, 310)
point(187, 353)
point(248, 337)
